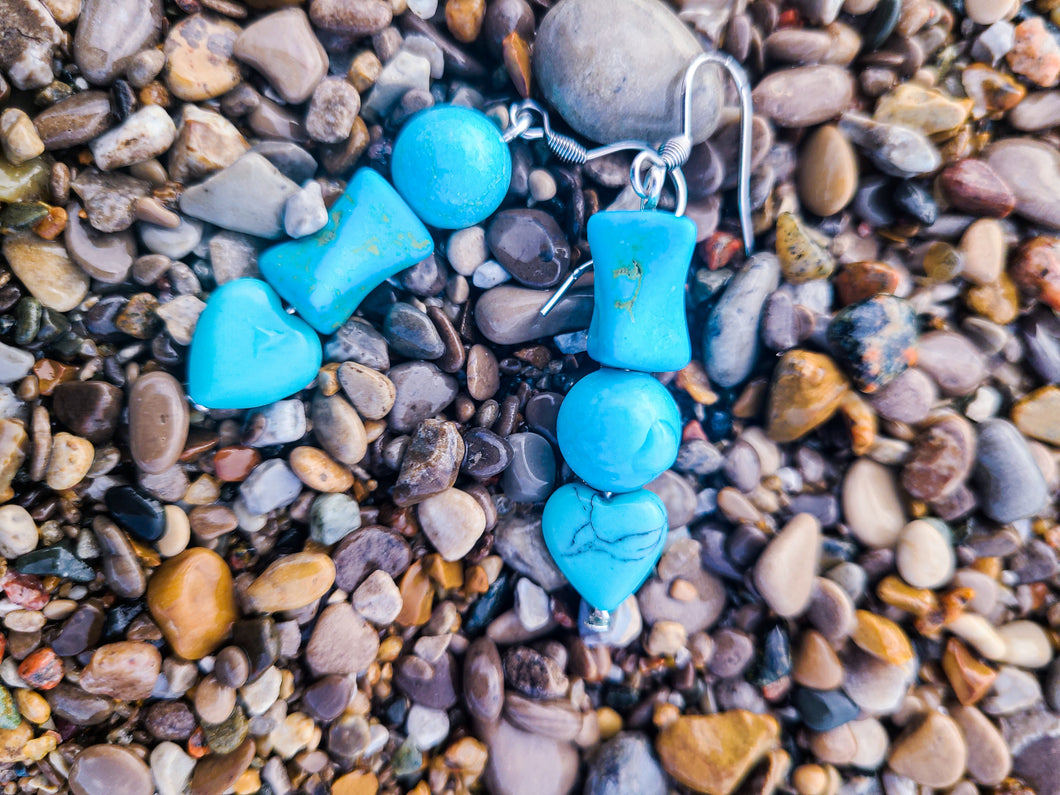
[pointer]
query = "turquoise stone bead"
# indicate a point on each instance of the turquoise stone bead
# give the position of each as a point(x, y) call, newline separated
point(247, 351)
point(618, 430)
point(371, 234)
point(605, 546)
point(451, 165)
point(640, 264)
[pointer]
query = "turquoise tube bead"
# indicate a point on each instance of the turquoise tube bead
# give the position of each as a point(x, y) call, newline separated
point(452, 166)
point(247, 351)
point(605, 546)
point(640, 262)
point(371, 234)
point(618, 430)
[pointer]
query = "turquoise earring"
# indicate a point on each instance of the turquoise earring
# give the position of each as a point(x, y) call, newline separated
point(618, 428)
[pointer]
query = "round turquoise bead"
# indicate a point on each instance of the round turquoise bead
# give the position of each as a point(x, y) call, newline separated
point(618, 430)
point(451, 165)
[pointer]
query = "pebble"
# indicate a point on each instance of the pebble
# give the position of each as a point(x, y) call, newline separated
point(828, 171)
point(158, 421)
point(453, 521)
point(955, 364)
point(205, 142)
point(220, 199)
point(291, 582)
point(171, 768)
point(816, 663)
point(282, 46)
point(1032, 170)
point(272, 485)
point(332, 110)
point(410, 333)
point(531, 473)
point(806, 391)
point(712, 753)
point(991, 761)
point(785, 572)
point(378, 599)
point(606, 100)
point(421, 391)
point(18, 531)
point(333, 516)
point(31, 36)
point(342, 642)
point(932, 753)
point(971, 186)
point(75, 120)
point(508, 315)
point(198, 58)
point(875, 685)
point(730, 337)
point(109, 769)
point(304, 212)
point(1035, 55)
point(145, 134)
point(430, 463)
point(941, 459)
point(875, 339)
point(923, 555)
point(530, 245)
point(126, 670)
point(1033, 415)
point(192, 600)
point(894, 149)
point(46, 270)
point(801, 258)
point(532, 763)
point(90, 409)
point(625, 764)
point(18, 137)
point(805, 95)
point(69, 461)
point(109, 34)
point(1011, 482)
point(1026, 644)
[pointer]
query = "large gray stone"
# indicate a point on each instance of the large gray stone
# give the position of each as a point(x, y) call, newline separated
point(248, 196)
point(615, 70)
point(110, 32)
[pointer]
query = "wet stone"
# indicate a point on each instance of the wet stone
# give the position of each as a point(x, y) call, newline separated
point(102, 769)
point(530, 245)
point(487, 454)
point(368, 549)
point(88, 408)
point(431, 462)
point(410, 333)
point(422, 390)
point(805, 96)
point(530, 476)
point(137, 512)
point(597, 96)
point(109, 34)
point(1011, 482)
point(282, 47)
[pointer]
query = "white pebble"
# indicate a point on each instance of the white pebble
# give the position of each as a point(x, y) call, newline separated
point(531, 605)
point(424, 9)
point(542, 185)
point(378, 598)
point(426, 727)
point(262, 693)
point(924, 557)
point(18, 531)
point(304, 212)
point(489, 274)
point(466, 249)
point(1026, 644)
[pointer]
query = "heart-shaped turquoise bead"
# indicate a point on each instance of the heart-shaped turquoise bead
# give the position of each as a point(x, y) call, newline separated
point(371, 234)
point(605, 546)
point(247, 351)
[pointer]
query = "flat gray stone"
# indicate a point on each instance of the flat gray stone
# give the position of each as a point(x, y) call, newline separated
point(248, 196)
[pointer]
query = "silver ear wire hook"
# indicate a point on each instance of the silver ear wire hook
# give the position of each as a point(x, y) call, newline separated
point(675, 152)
